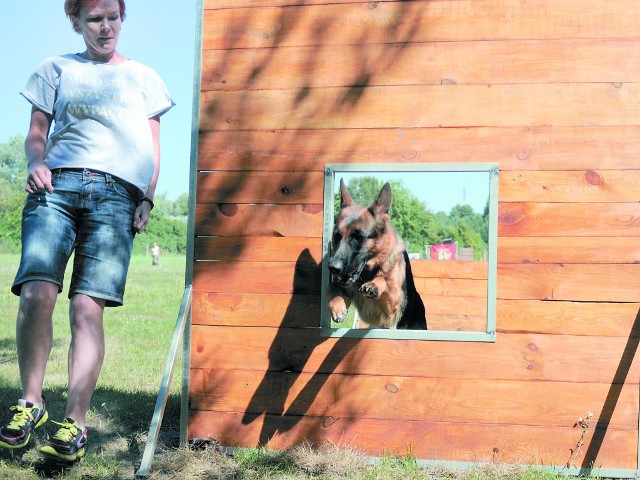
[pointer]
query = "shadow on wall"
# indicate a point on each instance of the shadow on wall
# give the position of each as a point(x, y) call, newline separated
point(255, 117)
point(287, 360)
point(269, 101)
point(613, 396)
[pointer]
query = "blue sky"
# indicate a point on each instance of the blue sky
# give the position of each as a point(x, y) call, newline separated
point(441, 191)
point(158, 33)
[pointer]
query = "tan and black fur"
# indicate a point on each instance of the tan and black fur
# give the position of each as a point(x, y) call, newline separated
point(370, 268)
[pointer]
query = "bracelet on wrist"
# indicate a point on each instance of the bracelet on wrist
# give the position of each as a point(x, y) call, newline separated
point(149, 201)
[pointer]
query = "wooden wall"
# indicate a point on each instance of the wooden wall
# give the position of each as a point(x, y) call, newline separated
point(549, 90)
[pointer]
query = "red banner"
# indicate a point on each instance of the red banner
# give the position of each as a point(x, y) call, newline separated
point(446, 251)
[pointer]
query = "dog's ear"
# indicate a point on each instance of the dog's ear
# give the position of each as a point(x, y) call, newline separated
point(345, 196)
point(382, 204)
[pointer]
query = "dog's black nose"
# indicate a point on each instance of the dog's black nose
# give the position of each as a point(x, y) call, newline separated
point(335, 267)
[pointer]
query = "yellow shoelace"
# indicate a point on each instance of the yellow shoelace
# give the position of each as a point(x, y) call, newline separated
point(19, 420)
point(66, 432)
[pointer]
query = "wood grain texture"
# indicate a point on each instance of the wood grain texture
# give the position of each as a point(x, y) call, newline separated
point(434, 63)
point(232, 220)
point(447, 400)
point(586, 250)
point(605, 283)
point(420, 106)
point(303, 277)
point(255, 248)
point(467, 442)
point(261, 187)
point(613, 220)
point(590, 186)
point(575, 282)
point(549, 91)
point(414, 22)
point(515, 148)
point(568, 318)
point(513, 316)
point(524, 357)
point(449, 269)
point(256, 310)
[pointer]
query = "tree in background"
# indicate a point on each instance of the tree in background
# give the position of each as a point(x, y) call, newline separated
point(13, 174)
point(168, 225)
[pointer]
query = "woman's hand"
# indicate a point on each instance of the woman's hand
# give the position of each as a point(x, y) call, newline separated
point(39, 178)
point(141, 216)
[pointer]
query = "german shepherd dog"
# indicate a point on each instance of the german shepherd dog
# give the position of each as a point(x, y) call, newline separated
point(370, 268)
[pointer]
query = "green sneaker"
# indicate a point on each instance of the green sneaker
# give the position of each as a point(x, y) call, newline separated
point(67, 444)
point(25, 420)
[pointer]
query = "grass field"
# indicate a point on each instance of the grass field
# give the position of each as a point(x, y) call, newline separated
point(138, 337)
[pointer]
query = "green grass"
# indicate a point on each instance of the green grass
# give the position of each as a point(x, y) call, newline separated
point(138, 336)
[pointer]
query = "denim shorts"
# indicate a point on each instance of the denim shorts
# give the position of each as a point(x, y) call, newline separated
point(89, 213)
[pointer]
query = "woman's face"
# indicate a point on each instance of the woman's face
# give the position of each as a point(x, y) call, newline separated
point(99, 23)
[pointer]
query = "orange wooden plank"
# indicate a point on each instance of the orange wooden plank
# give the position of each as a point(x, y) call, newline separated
point(224, 4)
point(610, 283)
point(260, 187)
point(449, 269)
point(535, 357)
point(423, 106)
point(448, 287)
point(286, 310)
point(513, 316)
point(407, 22)
point(302, 277)
point(567, 250)
point(515, 148)
point(465, 442)
point(575, 282)
point(251, 310)
point(255, 249)
point(455, 305)
point(259, 220)
point(456, 322)
point(573, 186)
point(568, 219)
point(509, 402)
point(434, 63)
point(567, 318)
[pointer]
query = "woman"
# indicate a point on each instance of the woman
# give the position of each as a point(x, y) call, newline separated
point(90, 188)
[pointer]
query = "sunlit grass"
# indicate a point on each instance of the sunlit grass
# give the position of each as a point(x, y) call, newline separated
point(138, 336)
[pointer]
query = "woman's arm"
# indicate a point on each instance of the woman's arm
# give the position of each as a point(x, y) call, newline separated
point(39, 175)
point(141, 217)
point(155, 133)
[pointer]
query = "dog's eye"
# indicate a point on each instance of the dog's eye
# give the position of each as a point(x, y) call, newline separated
point(337, 237)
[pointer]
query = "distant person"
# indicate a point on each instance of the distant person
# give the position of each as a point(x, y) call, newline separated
point(90, 185)
point(155, 254)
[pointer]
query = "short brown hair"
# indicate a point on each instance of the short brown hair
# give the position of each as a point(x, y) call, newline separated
point(72, 9)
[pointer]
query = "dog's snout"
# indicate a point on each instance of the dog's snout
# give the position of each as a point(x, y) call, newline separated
point(335, 266)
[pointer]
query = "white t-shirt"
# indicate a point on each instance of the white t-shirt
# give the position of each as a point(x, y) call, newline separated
point(101, 113)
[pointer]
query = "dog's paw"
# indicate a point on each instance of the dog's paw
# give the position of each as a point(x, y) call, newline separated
point(338, 309)
point(370, 290)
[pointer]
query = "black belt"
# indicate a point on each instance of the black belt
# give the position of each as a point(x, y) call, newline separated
point(132, 189)
point(80, 170)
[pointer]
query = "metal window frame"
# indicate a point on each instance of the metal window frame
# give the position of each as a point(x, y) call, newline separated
point(492, 170)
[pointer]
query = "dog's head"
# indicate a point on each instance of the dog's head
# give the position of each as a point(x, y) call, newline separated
point(357, 235)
